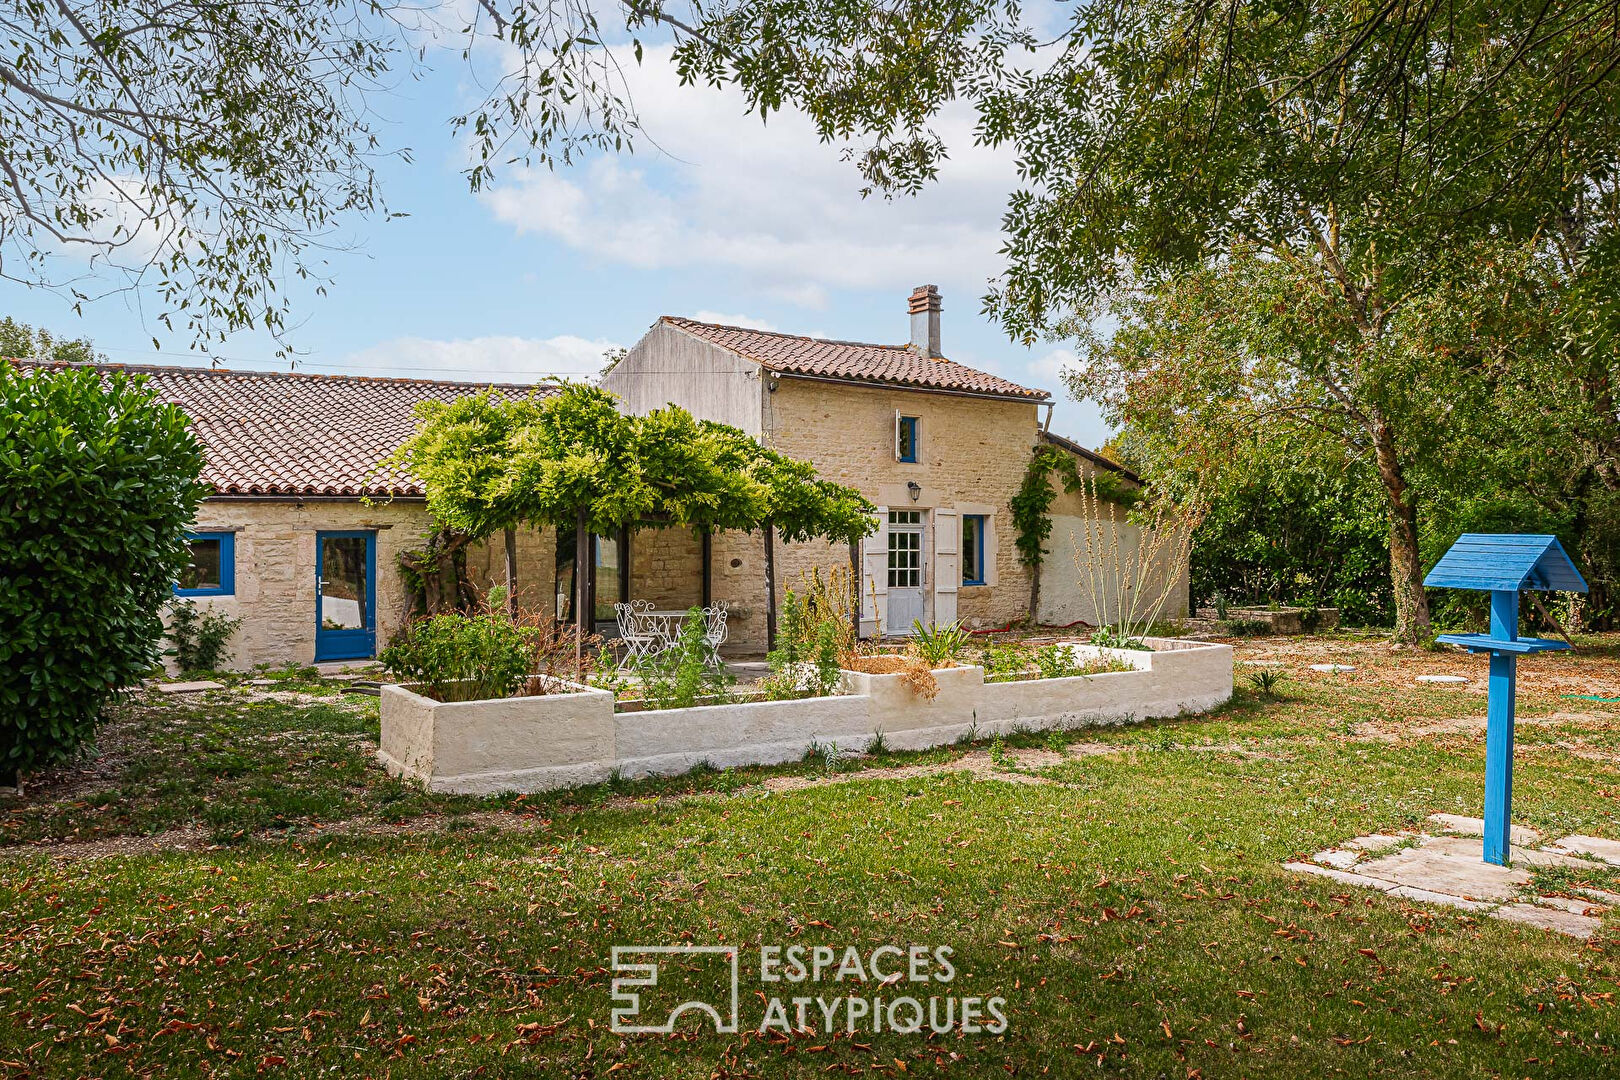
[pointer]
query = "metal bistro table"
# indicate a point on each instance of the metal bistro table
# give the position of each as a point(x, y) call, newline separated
point(1503, 564)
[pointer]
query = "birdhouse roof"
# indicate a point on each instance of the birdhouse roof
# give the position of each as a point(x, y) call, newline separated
point(1506, 562)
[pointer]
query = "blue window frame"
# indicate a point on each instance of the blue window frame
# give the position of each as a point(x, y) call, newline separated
point(212, 569)
point(973, 549)
point(906, 439)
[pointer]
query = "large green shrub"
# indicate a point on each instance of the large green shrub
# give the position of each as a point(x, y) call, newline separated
point(459, 657)
point(98, 481)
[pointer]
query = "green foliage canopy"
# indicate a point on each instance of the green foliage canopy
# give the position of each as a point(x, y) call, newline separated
point(98, 482)
point(490, 462)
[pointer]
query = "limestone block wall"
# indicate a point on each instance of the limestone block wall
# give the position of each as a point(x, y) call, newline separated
point(274, 594)
point(973, 453)
point(666, 568)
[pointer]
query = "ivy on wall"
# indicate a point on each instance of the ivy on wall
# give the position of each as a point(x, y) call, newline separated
point(1032, 505)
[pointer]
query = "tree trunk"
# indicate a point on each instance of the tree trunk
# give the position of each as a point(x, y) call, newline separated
point(1405, 562)
point(770, 586)
point(511, 572)
point(1035, 595)
point(582, 596)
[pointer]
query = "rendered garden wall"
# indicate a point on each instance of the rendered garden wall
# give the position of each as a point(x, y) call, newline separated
point(569, 739)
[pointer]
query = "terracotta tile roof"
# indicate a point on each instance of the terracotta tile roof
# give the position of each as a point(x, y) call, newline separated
point(279, 433)
point(1090, 455)
point(887, 365)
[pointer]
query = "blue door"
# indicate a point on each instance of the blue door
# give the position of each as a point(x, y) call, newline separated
point(345, 595)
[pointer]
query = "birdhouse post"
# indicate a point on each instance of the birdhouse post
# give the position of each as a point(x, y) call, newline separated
point(1503, 565)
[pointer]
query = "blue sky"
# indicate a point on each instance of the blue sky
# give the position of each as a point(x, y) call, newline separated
point(715, 216)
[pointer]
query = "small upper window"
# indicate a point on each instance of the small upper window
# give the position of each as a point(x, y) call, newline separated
point(212, 568)
point(905, 443)
point(973, 549)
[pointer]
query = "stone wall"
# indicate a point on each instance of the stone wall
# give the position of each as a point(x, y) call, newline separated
point(666, 568)
point(274, 594)
point(972, 455)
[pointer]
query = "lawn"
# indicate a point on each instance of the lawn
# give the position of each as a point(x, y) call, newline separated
point(274, 904)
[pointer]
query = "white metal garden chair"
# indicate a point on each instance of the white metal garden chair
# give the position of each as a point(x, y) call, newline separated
point(640, 638)
point(714, 630)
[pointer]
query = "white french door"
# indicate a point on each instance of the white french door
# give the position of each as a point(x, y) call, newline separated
point(906, 563)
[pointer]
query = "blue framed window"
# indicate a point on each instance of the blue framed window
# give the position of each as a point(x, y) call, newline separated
point(212, 569)
point(973, 549)
point(905, 439)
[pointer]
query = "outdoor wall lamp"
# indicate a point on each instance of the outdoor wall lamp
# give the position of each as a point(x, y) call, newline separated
point(915, 489)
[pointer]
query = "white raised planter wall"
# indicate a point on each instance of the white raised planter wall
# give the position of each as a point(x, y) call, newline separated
point(569, 739)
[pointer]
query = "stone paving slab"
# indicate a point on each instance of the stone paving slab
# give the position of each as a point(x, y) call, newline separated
point(1450, 870)
point(1467, 876)
point(1473, 826)
point(1430, 897)
point(1337, 858)
point(1442, 680)
point(1564, 903)
point(1607, 850)
point(1577, 926)
point(189, 687)
point(1344, 876)
point(1470, 848)
point(1377, 841)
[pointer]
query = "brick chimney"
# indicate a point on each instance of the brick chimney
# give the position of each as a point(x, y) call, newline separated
point(924, 308)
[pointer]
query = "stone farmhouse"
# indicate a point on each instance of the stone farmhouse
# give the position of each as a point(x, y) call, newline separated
point(301, 535)
point(939, 447)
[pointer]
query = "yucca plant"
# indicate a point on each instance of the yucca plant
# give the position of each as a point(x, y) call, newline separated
point(939, 645)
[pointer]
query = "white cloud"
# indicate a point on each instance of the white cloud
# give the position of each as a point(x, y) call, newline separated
point(1052, 366)
point(713, 187)
point(747, 322)
point(495, 358)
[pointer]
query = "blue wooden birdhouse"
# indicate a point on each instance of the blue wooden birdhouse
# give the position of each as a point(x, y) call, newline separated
point(1504, 565)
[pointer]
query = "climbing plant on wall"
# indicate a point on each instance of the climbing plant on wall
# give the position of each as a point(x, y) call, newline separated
point(1032, 506)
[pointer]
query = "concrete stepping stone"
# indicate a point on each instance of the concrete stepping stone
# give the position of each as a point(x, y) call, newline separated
point(1601, 896)
point(1564, 903)
point(1438, 869)
point(1376, 842)
point(1337, 858)
point(189, 687)
point(263, 683)
point(1332, 669)
point(1361, 880)
point(1565, 922)
point(1442, 680)
point(1607, 850)
point(1473, 826)
point(1428, 896)
point(1468, 848)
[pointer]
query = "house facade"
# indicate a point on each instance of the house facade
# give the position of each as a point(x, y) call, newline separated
point(301, 534)
point(940, 448)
